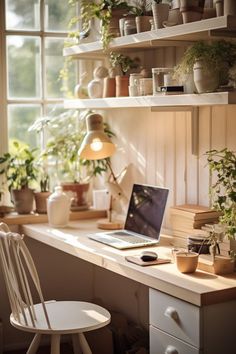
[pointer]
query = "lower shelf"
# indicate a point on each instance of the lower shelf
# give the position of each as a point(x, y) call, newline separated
point(181, 100)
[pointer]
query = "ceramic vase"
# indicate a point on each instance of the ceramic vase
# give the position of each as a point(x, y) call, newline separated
point(160, 14)
point(143, 23)
point(205, 79)
point(219, 5)
point(229, 7)
point(192, 10)
point(58, 208)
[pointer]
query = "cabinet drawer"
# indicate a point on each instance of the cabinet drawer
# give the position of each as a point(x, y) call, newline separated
point(163, 343)
point(174, 316)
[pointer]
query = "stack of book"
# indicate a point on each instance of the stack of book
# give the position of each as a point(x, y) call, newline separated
point(187, 220)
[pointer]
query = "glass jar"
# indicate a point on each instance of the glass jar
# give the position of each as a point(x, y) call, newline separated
point(145, 86)
point(158, 78)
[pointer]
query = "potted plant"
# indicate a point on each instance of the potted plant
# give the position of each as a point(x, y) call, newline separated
point(121, 64)
point(66, 132)
point(144, 16)
point(42, 195)
point(20, 172)
point(192, 10)
point(108, 12)
point(206, 61)
point(222, 163)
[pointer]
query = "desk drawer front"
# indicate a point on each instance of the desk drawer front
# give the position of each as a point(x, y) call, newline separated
point(162, 343)
point(175, 317)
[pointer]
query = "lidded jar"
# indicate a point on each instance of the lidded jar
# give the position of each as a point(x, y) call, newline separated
point(58, 208)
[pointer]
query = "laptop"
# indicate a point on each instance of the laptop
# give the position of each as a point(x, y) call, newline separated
point(143, 221)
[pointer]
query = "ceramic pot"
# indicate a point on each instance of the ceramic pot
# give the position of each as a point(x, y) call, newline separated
point(114, 27)
point(109, 87)
point(205, 79)
point(229, 7)
point(160, 14)
point(23, 200)
point(78, 193)
point(41, 202)
point(58, 208)
point(143, 23)
point(186, 262)
point(192, 10)
point(219, 5)
point(122, 86)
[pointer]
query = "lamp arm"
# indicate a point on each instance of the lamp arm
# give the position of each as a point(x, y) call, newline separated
point(111, 170)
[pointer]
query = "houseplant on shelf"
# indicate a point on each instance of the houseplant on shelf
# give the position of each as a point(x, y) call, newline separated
point(108, 12)
point(209, 63)
point(121, 64)
point(222, 163)
point(66, 132)
point(143, 12)
point(20, 173)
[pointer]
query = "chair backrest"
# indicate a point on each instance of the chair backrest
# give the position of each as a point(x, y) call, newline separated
point(18, 267)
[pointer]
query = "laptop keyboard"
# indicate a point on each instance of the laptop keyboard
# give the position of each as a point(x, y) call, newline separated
point(132, 239)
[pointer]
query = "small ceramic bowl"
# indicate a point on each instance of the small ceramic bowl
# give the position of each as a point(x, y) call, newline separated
point(186, 261)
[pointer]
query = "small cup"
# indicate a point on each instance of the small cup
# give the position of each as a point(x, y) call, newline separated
point(186, 261)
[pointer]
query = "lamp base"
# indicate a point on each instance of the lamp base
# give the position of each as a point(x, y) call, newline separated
point(105, 224)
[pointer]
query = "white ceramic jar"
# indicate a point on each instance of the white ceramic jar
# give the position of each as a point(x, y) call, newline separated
point(58, 208)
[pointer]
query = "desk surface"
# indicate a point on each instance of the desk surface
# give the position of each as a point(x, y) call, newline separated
point(199, 288)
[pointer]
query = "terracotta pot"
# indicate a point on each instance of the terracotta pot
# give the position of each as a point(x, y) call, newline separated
point(122, 86)
point(109, 88)
point(41, 202)
point(143, 23)
point(205, 79)
point(192, 10)
point(23, 200)
point(186, 261)
point(160, 14)
point(114, 27)
point(78, 192)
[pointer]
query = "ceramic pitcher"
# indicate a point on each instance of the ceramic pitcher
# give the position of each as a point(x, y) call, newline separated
point(58, 208)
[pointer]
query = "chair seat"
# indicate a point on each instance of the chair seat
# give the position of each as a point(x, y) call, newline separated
point(65, 317)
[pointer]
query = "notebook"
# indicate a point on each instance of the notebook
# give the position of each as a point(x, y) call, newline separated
point(143, 220)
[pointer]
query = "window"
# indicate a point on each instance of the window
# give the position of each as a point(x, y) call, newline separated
point(32, 39)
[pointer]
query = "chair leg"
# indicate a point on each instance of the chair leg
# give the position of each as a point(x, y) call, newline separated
point(84, 344)
point(55, 344)
point(75, 343)
point(34, 344)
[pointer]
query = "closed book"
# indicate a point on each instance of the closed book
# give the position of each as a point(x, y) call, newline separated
point(195, 212)
point(179, 222)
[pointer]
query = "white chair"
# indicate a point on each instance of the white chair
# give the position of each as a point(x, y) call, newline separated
point(47, 317)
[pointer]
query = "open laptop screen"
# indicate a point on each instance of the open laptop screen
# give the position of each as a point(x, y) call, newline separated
point(146, 210)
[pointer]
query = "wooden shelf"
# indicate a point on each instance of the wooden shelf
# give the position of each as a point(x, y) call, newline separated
point(224, 26)
point(206, 99)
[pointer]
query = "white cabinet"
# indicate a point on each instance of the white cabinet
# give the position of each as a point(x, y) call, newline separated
point(179, 327)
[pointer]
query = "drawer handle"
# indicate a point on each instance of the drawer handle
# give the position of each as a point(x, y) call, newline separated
point(171, 350)
point(172, 313)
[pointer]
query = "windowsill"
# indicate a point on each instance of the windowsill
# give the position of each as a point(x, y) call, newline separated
point(16, 219)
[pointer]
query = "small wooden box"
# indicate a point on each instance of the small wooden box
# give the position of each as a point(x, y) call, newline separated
point(222, 264)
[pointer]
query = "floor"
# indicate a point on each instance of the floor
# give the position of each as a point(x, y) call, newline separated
point(65, 349)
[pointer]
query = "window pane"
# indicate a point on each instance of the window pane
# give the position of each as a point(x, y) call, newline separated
point(20, 118)
point(23, 63)
point(22, 14)
point(54, 64)
point(57, 15)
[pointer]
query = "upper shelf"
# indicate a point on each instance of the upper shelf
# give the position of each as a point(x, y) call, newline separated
point(206, 99)
point(224, 26)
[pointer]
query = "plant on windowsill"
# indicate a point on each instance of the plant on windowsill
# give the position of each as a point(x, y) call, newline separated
point(20, 173)
point(66, 132)
point(222, 163)
point(209, 63)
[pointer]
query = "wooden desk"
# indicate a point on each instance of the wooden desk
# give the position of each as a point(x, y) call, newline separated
point(206, 294)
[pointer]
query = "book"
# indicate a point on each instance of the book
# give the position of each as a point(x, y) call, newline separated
point(195, 212)
point(179, 222)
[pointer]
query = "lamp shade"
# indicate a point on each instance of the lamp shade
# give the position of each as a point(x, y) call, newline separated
point(96, 144)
